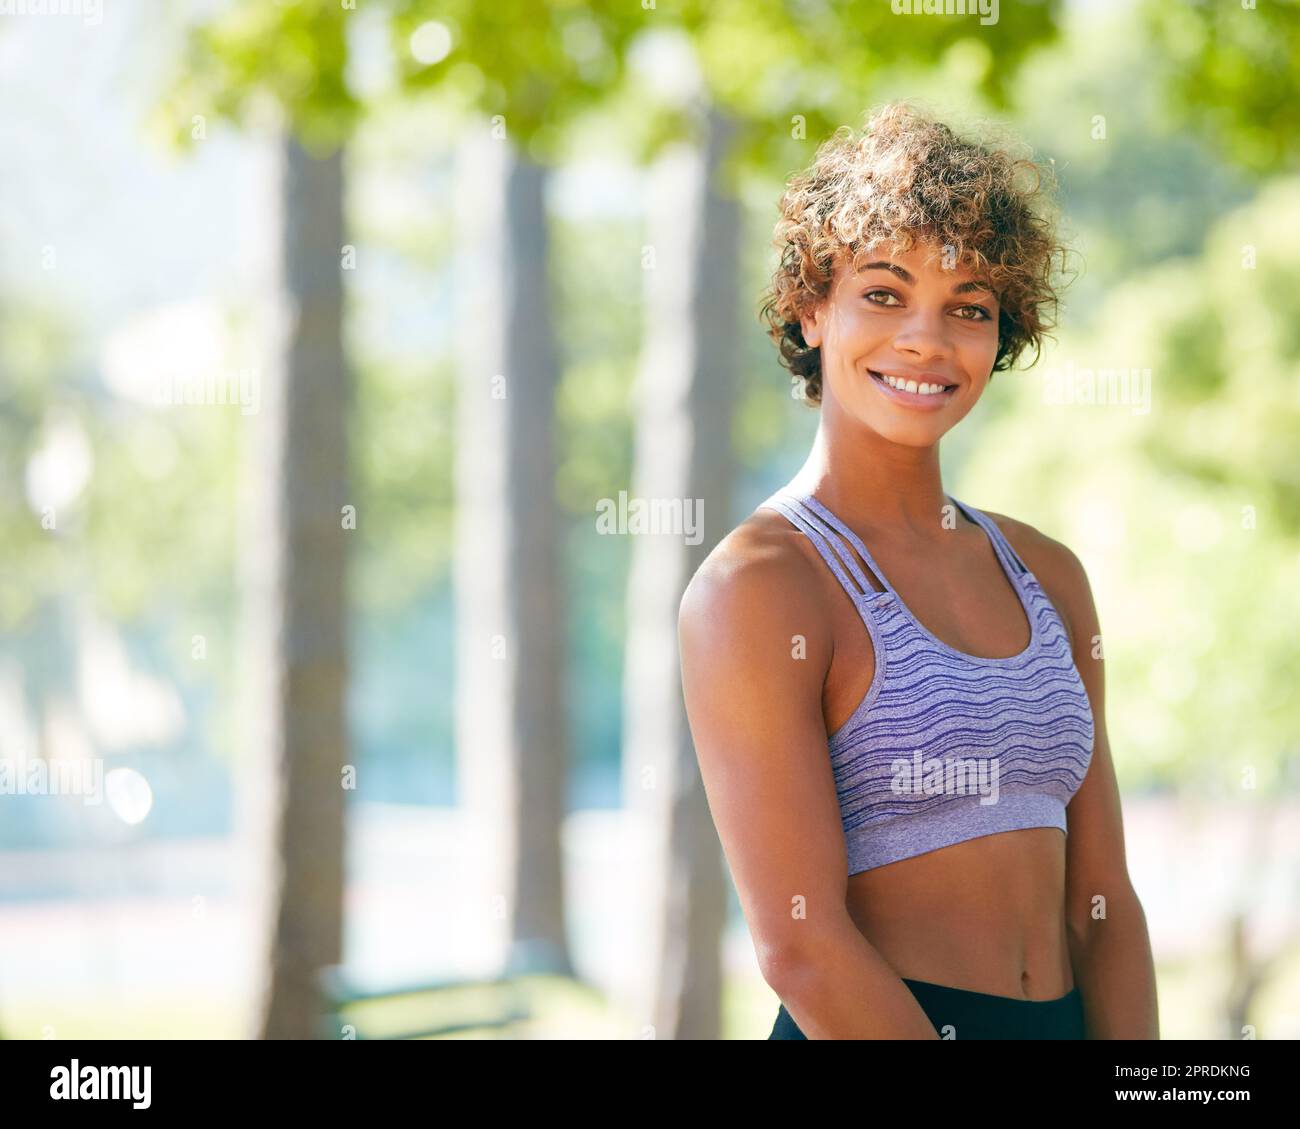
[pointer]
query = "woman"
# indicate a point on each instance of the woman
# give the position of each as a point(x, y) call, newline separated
point(955, 867)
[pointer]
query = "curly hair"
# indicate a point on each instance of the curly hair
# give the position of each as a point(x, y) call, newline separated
point(909, 177)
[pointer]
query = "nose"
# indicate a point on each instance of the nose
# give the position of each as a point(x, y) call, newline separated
point(923, 335)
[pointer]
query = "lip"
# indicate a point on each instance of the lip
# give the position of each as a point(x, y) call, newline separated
point(913, 399)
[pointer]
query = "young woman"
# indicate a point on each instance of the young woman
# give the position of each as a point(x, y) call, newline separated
point(955, 866)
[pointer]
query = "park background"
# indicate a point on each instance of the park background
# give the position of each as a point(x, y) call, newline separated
point(375, 703)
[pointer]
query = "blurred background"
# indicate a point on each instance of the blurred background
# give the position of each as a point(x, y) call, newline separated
point(340, 346)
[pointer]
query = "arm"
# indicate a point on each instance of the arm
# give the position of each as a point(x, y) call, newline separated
point(755, 716)
point(1110, 949)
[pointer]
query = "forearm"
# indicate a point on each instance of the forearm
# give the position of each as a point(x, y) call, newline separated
point(1115, 973)
point(840, 987)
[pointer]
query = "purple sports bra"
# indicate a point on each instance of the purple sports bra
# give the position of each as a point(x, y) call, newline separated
point(947, 746)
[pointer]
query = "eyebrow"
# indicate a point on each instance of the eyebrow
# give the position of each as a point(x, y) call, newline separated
point(962, 288)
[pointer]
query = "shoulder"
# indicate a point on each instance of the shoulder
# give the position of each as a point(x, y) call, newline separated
point(755, 643)
point(761, 574)
point(1059, 571)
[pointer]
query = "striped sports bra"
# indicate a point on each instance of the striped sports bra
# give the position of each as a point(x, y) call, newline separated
point(947, 746)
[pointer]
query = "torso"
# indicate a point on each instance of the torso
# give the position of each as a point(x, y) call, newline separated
point(986, 915)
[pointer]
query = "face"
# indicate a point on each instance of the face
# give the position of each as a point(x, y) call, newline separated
point(907, 346)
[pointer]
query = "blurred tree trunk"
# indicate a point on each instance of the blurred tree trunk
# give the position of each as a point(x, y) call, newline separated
point(510, 645)
point(1250, 970)
point(303, 552)
point(685, 387)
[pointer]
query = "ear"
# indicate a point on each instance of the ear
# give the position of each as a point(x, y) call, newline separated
point(811, 324)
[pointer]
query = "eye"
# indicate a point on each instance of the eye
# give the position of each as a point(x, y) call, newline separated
point(981, 314)
point(887, 293)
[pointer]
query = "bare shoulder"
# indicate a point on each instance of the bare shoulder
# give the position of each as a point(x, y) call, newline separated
point(1059, 571)
point(1046, 557)
point(761, 573)
point(755, 644)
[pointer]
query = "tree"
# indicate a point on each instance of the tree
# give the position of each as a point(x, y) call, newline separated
point(531, 72)
point(293, 59)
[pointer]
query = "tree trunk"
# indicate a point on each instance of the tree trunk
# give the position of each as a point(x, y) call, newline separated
point(510, 652)
point(302, 565)
point(683, 451)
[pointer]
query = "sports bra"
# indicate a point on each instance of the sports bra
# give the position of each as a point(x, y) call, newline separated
point(946, 746)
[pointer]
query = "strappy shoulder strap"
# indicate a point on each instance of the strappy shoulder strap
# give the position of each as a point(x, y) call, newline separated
point(835, 523)
point(1009, 557)
point(801, 511)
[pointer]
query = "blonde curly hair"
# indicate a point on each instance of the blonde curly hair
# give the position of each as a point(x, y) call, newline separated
point(909, 177)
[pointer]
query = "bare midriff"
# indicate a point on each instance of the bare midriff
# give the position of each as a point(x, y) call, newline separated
point(986, 915)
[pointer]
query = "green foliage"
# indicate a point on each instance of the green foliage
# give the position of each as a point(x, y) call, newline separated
point(34, 344)
point(535, 65)
point(786, 71)
point(401, 432)
point(255, 55)
point(599, 357)
point(1233, 72)
point(143, 540)
point(1136, 186)
point(791, 72)
point(156, 511)
point(402, 443)
point(160, 514)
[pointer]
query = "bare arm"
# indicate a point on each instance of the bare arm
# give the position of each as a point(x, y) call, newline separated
point(1110, 948)
point(755, 714)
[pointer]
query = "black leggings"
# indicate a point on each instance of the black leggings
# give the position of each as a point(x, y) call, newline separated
point(976, 1015)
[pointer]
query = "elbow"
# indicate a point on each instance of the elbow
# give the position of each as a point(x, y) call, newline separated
point(790, 953)
point(786, 966)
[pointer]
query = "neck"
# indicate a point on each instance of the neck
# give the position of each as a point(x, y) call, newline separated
point(871, 482)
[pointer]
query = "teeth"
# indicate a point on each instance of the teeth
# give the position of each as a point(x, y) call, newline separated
point(911, 385)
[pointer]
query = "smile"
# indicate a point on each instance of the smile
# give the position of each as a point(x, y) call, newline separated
point(925, 394)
